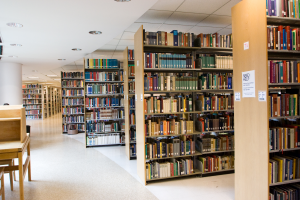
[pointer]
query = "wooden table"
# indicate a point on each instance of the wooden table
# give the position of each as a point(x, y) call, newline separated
point(16, 149)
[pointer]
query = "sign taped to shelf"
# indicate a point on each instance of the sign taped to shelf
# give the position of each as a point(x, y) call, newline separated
point(262, 96)
point(135, 97)
point(141, 97)
point(137, 63)
point(246, 45)
point(237, 96)
point(127, 97)
point(248, 84)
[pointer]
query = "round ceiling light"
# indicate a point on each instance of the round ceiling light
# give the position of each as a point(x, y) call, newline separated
point(122, 0)
point(16, 25)
point(95, 32)
point(61, 59)
point(76, 49)
point(15, 45)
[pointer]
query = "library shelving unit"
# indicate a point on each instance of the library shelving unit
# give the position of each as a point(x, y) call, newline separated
point(104, 102)
point(187, 120)
point(45, 102)
point(33, 99)
point(129, 108)
point(72, 95)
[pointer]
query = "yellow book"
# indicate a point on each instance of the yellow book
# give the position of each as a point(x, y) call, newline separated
point(280, 166)
point(91, 64)
point(160, 145)
point(270, 173)
point(296, 104)
point(184, 104)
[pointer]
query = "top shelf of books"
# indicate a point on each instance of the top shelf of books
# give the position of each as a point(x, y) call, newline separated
point(181, 49)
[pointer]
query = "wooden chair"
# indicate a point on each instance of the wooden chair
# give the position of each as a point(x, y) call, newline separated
point(2, 191)
point(9, 162)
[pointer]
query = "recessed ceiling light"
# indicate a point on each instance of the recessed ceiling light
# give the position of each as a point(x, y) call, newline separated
point(12, 24)
point(95, 32)
point(15, 45)
point(61, 59)
point(76, 49)
point(122, 0)
point(51, 75)
point(33, 77)
point(12, 56)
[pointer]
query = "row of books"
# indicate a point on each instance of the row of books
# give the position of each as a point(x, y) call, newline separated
point(160, 82)
point(132, 102)
point(131, 87)
point(176, 167)
point(104, 76)
point(107, 114)
point(215, 163)
point(31, 86)
point(107, 88)
point(284, 167)
point(33, 107)
point(283, 38)
point(162, 126)
point(72, 83)
point(72, 110)
point(33, 112)
point(79, 127)
point(130, 54)
point(167, 60)
point(173, 104)
point(283, 105)
point(72, 92)
point(71, 75)
point(212, 143)
point(102, 127)
point(215, 122)
point(132, 120)
point(31, 101)
point(72, 102)
point(31, 96)
point(101, 63)
point(132, 150)
point(284, 137)
point(214, 102)
point(33, 116)
point(32, 92)
point(72, 119)
point(132, 134)
point(131, 70)
point(104, 139)
point(176, 38)
point(282, 8)
point(216, 62)
point(216, 81)
point(288, 192)
point(104, 102)
point(284, 71)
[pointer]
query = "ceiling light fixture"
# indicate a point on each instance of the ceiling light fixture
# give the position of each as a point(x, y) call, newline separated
point(15, 45)
point(122, 0)
point(33, 77)
point(12, 56)
point(95, 32)
point(61, 59)
point(76, 49)
point(51, 75)
point(16, 25)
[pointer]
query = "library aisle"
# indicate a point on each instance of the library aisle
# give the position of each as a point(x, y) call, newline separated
point(100, 173)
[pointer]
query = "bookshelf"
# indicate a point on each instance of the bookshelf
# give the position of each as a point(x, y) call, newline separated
point(72, 101)
point(189, 91)
point(104, 103)
point(33, 99)
point(129, 108)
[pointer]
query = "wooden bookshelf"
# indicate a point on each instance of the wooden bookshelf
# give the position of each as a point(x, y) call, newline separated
point(92, 137)
point(140, 94)
point(69, 101)
point(33, 101)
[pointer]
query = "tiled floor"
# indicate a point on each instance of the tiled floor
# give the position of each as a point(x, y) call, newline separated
point(62, 168)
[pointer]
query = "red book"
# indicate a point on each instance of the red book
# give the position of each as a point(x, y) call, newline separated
point(213, 102)
point(166, 39)
point(151, 84)
point(280, 29)
point(94, 75)
point(284, 71)
point(172, 169)
point(287, 105)
point(91, 75)
point(87, 102)
point(268, 34)
point(288, 32)
point(150, 60)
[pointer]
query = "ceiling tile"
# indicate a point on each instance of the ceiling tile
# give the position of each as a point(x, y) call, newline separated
point(171, 5)
point(169, 28)
point(226, 9)
point(128, 36)
point(155, 16)
point(225, 31)
point(119, 36)
point(202, 6)
point(126, 42)
point(121, 47)
point(147, 26)
point(197, 30)
point(216, 21)
point(185, 18)
point(113, 42)
point(108, 47)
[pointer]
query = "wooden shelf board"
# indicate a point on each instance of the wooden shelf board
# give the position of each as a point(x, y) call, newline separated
point(99, 95)
point(282, 117)
point(273, 20)
point(285, 182)
point(194, 133)
point(225, 170)
point(11, 119)
point(279, 151)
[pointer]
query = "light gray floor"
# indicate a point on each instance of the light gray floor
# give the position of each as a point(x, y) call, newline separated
point(62, 168)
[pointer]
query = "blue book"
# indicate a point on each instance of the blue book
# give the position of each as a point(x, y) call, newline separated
point(291, 40)
point(273, 7)
point(175, 37)
point(158, 149)
point(284, 39)
point(229, 82)
point(182, 147)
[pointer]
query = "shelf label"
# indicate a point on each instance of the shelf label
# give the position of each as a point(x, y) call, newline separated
point(135, 97)
point(246, 45)
point(125, 73)
point(262, 96)
point(141, 97)
point(127, 97)
point(237, 96)
point(248, 84)
point(137, 63)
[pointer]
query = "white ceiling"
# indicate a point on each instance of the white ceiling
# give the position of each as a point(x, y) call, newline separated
point(51, 28)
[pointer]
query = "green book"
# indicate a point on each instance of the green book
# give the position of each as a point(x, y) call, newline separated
point(294, 39)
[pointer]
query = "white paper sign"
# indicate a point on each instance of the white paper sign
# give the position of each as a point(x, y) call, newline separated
point(141, 97)
point(137, 63)
point(237, 96)
point(248, 84)
point(246, 45)
point(262, 96)
point(135, 97)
